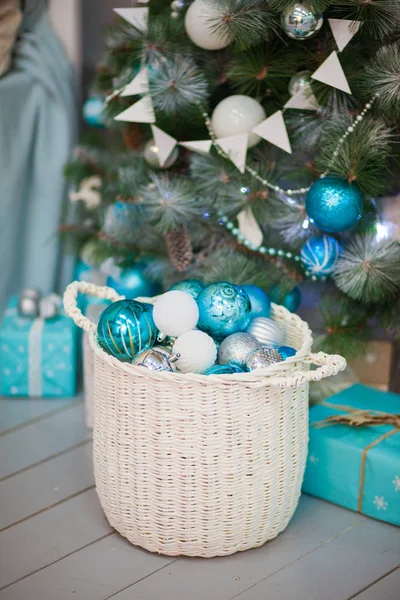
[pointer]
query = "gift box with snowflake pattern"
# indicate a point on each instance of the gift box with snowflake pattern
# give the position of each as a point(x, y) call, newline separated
point(37, 356)
point(356, 467)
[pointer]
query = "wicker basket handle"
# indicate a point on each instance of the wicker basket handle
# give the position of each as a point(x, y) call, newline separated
point(83, 287)
point(328, 365)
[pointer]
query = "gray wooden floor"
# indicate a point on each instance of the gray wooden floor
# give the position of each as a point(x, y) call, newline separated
point(56, 544)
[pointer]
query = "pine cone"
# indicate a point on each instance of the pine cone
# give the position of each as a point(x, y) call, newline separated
point(179, 248)
point(133, 136)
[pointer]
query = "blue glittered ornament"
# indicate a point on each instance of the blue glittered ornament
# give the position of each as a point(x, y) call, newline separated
point(133, 283)
point(191, 286)
point(260, 302)
point(291, 300)
point(334, 204)
point(125, 328)
point(92, 111)
point(320, 254)
point(224, 308)
point(223, 370)
point(286, 351)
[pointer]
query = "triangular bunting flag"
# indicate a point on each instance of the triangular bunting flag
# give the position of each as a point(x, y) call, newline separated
point(303, 100)
point(273, 129)
point(138, 17)
point(138, 85)
point(249, 227)
point(331, 73)
point(235, 147)
point(164, 142)
point(343, 30)
point(140, 112)
point(201, 146)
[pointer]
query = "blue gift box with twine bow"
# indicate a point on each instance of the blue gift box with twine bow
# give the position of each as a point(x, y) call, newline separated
point(357, 465)
point(38, 356)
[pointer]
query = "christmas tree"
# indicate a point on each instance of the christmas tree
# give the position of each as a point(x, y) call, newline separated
point(251, 141)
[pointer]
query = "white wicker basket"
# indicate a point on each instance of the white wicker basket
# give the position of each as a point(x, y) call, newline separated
point(202, 466)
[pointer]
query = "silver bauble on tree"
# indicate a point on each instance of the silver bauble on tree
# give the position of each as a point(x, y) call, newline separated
point(261, 358)
point(300, 21)
point(299, 81)
point(236, 348)
point(151, 154)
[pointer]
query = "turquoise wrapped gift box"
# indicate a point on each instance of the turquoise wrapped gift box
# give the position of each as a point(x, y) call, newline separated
point(38, 357)
point(356, 467)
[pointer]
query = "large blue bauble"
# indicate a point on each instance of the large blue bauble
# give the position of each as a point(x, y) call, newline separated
point(320, 254)
point(191, 286)
point(334, 204)
point(260, 302)
point(132, 283)
point(224, 308)
point(291, 300)
point(223, 370)
point(286, 351)
point(125, 328)
point(93, 111)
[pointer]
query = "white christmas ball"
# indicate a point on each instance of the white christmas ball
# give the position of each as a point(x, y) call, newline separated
point(237, 114)
point(197, 351)
point(266, 331)
point(199, 27)
point(175, 313)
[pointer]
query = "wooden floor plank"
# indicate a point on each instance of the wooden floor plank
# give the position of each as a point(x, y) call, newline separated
point(387, 588)
point(48, 536)
point(93, 573)
point(46, 484)
point(36, 442)
point(336, 570)
point(15, 412)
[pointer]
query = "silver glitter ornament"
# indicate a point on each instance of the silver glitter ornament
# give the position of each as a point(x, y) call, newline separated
point(300, 21)
point(155, 359)
point(28, 307)
point(299, 81)
point(266, 331)
point(236, 348)
point(261, 358)
point(150, 154)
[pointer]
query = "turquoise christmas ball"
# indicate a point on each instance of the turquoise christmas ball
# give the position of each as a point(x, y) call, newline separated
point(125, 328)
point(320, 254)
point(334, 204)
point(260, 302)
point(291, 300)
point(223, 370)
point(191, 286)
point(132, 283)
point(92, 111)
point(286, 351)
point(224, 308)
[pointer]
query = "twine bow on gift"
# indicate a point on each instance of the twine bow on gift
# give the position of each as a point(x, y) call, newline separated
point(355, 417)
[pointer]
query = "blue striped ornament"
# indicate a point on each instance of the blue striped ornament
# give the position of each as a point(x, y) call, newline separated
point(320, 254)
point(125, 328)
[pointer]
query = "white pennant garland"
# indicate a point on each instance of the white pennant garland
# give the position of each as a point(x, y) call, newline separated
point(164, 142)
point(343, 31)
point(331, 73)
point(235, 147)
point(138, 17)
point(138, 85)
point(200, 146)
point(273, 129)
point(140, 112)
point(249, 227)
point(303, 100)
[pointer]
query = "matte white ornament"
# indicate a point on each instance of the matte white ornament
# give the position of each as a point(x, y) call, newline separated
point(197, 352)
point(138, 85)
point(138, 17)
point(273, 129)
point(331, 73)
point(235, 147)
point(199, 26)
point(165, 144)
point(175, 313)
point(200, 146)
point(235, 115)
point(266, 331)
point(304, 99)
point(343, 30)
point(140, 112)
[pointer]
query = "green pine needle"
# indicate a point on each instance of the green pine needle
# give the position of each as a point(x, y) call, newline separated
point(280, 5)
point(382, 76)
point(379, 18)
